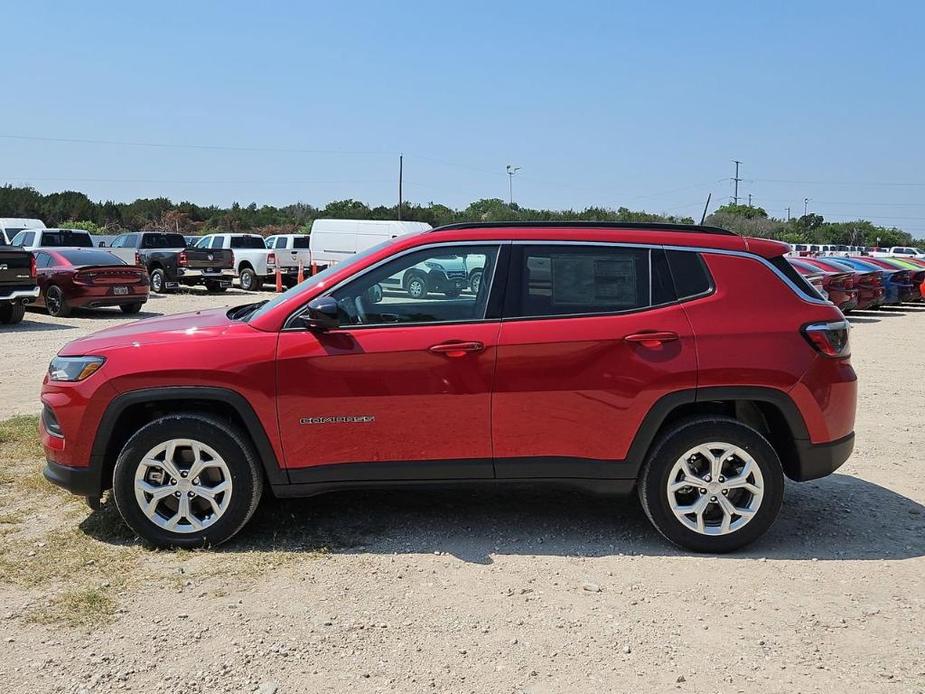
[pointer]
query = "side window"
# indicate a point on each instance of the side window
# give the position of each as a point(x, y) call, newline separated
point(690, 274)
point(217, 242)
point(560, 280)
point(42, 260)
point(118, 242)
point(427, 286)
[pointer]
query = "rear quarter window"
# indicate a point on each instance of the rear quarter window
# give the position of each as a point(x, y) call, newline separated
point(690, 274)
point(791, 273)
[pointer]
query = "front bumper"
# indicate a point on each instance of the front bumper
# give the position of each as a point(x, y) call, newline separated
point(82, 481)
point(815, 460)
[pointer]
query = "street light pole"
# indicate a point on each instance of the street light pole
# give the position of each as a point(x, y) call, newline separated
point(805, 204)
point(511, 170)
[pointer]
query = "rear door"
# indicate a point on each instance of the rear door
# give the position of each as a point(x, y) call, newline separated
point(592, 337)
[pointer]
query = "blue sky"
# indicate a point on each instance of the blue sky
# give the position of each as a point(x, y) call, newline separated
point(636, 104)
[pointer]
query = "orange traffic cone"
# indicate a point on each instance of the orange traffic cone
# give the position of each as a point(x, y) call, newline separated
point(279, 281)
point(314, 268)
point(301, 277)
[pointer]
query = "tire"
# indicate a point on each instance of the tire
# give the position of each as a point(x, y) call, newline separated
point(675, 446)
point(131, 309)
point(158, 278)
point(226, 444)
point(215, 287)
point(55, 302)
point(475, 281)
point(12, 312)
point(249, 280)
point(416, 287)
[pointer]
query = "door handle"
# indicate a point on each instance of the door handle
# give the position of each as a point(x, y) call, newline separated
point(457, 349)
point(654, 338)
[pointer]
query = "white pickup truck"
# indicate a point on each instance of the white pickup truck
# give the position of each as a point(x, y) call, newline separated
point(254, 263)
point(291, 249)
point(899, 252)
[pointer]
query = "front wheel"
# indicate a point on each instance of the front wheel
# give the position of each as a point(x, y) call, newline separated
point(475, 281)
point(188, 480)
point(12, 312)
point(712, 484)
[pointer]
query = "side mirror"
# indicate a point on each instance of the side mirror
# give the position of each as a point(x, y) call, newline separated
point(321, 314)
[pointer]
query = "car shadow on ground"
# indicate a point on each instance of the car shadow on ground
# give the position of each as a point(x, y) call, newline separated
point(28, 326)
point(860, 318)
point(839, 517)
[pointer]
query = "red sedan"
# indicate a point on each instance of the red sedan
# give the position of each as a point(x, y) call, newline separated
point(871, 292)
point(838, 285)
point(70, 278)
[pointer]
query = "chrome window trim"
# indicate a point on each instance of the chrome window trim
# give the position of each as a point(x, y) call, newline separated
point(437, 244)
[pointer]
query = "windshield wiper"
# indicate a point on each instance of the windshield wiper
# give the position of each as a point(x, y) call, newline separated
point(242, 312)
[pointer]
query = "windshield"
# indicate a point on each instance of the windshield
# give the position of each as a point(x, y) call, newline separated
point(314, 280)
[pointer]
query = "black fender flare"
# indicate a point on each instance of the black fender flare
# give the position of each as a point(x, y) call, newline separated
point(276, 475)
point(663, 407)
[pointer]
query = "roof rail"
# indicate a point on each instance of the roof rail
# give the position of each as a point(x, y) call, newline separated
point(640, 226)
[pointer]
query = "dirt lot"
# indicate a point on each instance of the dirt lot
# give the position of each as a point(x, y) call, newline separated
point(480, 592)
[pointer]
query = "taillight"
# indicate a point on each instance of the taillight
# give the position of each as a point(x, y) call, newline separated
point(32, 270)
point(182, 260)
point(137, 258)
point(271, 258)
point(829, 339)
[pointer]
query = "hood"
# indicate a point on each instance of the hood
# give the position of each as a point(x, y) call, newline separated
point(167, 329)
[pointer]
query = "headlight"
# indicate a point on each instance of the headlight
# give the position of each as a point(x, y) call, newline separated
point(73, 368)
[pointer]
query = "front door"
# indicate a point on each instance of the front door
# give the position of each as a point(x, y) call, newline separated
point(591, 338)
point(402, 388)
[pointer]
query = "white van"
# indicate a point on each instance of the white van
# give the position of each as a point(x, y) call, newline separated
point(10, 226)
point(333, 240)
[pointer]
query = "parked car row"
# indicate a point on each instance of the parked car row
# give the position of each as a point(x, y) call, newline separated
point(815, 249)
point(864, 282)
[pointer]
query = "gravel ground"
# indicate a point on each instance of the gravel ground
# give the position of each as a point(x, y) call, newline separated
point(487, 591)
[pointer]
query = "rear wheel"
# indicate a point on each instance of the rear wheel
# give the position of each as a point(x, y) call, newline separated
point(56, 303)
point(712, 484)
point(158, 278)
point(249, 280)
point(187, 480)
point(132, 308)
point(12, 312)
point(475, 281)
point(417, 287)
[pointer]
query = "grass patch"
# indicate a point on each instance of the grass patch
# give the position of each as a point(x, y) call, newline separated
point(19, 439)
point(75, 608)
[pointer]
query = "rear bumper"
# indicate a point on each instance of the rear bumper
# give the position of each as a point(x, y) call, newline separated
point(82, 481)
point(17, 295)
point(815, 460)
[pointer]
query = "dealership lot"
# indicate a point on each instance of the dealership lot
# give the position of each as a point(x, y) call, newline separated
point(476, 591)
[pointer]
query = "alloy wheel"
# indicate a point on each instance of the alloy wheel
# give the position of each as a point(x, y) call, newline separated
point(715, 488)
point(183, 486)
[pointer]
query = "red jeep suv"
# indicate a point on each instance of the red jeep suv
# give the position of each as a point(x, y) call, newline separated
point(686, 362)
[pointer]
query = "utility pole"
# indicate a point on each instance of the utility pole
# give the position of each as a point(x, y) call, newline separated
point(401, 164)
point(511, 170)
point(749, 199)
point(788, 214)
point(735, 197)
point(805, 205)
